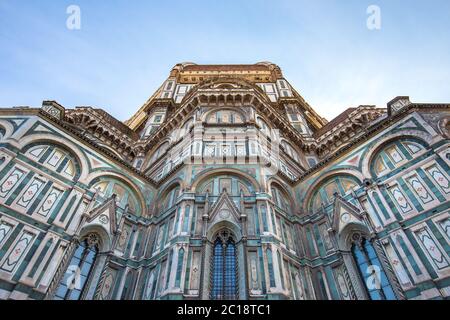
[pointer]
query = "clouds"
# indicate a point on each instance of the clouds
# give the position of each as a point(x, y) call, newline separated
point(125, 50)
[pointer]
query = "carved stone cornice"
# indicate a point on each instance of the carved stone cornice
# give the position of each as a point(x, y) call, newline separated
point(349, 124)
point(105, 128)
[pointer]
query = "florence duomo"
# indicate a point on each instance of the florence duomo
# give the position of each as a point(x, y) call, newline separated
point(225, 185)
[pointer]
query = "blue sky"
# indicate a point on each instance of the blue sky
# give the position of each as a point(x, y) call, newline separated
point(125, 49)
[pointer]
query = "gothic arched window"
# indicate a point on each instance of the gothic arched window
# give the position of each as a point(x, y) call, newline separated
point(370, 269)
point(73, 283)
point(224, 268)
point(171, 197)
point(279, 198)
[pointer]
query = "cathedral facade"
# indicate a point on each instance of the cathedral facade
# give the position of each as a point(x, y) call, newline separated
point(225, 185)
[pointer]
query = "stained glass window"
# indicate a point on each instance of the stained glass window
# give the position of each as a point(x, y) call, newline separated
point(280, 199)
point(371, 271)
point(224, 269)
point(171, 198)
point(73, 283)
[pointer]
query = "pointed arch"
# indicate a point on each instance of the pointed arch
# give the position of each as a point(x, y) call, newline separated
point(281, 196)
point(130, 187)
point(168, 196)
point(224, 263)
point(350, 174)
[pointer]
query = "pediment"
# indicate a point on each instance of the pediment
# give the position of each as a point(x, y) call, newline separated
point(345, 213)
point(224, 209)
point(105, 215)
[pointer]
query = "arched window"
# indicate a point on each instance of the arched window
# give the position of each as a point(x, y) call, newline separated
point(124, 195)
point(394, 155)
point(171, 197)
point(73, 284)
point(370, 269)
point(224, 268)
point(324, 195)
point(280, 199)
point(55, 159)
point(225, 117)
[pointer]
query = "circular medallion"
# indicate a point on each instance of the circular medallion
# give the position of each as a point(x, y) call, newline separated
point(103, 219)
point(224, 214)
point(345, 217)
